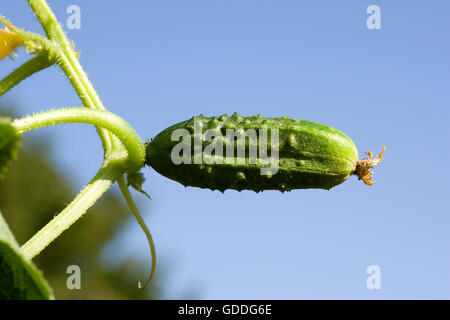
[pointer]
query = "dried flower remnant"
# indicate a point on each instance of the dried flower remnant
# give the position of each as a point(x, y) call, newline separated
point(363, 166)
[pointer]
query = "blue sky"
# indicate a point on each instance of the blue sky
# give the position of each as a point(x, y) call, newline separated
point(156, 63)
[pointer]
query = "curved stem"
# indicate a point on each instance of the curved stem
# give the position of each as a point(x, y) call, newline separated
point(26, 34)
point(48, 20)
point(54, 31)
point(100, 118)
point(85, 199)
point(70, 65)
point(126, 194)
point(113, 131)
point(24, 71)
point(68, 62)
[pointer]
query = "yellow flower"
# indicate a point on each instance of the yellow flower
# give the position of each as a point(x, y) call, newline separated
point(8, 42)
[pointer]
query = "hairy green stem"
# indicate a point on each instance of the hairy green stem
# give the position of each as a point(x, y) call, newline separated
point(30, 67)
point(54, 32)
point(126, 194)
point(124, 150)
point(85, 199)
point(99, 118)
point(69, 63)
point(48, 20)
point(25, 34)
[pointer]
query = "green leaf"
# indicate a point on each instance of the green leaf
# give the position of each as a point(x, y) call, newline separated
point(136, 180)
point(19, 278)
point(9, 144)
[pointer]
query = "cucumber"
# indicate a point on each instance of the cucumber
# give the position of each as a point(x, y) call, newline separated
point(255, 153)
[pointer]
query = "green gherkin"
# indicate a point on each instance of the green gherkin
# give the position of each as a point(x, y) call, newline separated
point(310, 155)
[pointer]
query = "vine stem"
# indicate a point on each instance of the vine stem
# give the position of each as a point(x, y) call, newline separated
point(129, 199)
point(116, 134)
point(100, 118)
point(30, 67)
point(68, 62)
point(27, 35)
point(70, 65)
point(85, 199)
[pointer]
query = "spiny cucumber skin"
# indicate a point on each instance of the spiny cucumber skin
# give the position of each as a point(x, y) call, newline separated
point(311, 155)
